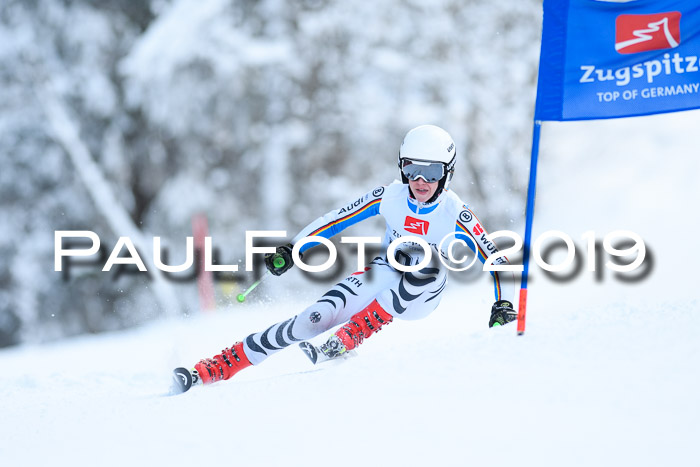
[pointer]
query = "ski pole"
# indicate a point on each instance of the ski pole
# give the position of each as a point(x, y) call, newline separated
point(277, 262)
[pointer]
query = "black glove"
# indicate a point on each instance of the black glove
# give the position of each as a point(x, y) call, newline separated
point(280, 261)
point(502, 312)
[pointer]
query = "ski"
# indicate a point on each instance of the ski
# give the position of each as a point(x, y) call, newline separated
point(317, 355)
point(312, 351)
point(183, 380)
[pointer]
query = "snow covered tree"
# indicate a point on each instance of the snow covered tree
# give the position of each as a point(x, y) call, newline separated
point(244, 111)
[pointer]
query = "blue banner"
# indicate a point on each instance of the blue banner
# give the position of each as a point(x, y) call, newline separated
point(602, 59)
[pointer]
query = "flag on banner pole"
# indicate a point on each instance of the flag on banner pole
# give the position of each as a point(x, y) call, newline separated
point(601, 59)
point(610, 59)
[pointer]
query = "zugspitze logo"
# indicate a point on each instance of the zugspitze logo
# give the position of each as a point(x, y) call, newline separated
point(416, 226)
point(641, 33)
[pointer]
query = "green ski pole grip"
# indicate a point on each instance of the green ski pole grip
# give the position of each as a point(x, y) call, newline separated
point(278, 262)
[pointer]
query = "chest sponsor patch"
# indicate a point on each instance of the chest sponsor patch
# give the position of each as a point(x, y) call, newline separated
point(416, 226)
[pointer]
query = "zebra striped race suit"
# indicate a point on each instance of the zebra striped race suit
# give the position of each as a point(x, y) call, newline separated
point(404, 295)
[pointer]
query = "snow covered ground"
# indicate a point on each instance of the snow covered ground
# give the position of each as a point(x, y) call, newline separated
point(606, 373)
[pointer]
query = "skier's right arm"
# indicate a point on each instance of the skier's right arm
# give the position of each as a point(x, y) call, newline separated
point(328, 225)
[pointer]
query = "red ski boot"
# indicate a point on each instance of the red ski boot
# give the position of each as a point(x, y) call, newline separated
point(222, 366)
point(362, 325)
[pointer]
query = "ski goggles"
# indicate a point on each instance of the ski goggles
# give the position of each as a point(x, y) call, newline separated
point(428, 171)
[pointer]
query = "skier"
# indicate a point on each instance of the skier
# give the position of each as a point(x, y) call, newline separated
point(422, 206)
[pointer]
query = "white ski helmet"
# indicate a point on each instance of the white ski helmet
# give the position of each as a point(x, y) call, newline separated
point(428, 152)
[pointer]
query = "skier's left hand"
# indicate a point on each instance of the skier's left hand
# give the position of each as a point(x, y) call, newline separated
point(502, 312)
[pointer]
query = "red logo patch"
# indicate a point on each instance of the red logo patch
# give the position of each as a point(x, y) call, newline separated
point(478, 230)
point(641, 33)
point(416, 226)
point(361, 272)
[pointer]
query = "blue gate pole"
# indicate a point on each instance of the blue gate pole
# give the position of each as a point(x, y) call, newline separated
point(529, 214)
